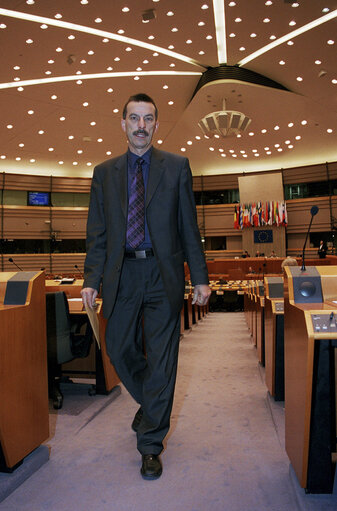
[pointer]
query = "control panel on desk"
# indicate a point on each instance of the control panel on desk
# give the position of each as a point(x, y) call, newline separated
point(324, 322)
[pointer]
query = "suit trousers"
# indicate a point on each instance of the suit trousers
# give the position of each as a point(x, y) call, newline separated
point(142, 318)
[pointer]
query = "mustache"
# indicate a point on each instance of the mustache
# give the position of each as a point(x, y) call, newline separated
point(141, 132)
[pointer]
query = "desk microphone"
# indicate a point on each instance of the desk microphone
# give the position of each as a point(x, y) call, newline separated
point(11, 260)
point(77, 268)
point(314, 210)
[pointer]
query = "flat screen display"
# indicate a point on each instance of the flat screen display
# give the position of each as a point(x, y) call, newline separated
point(38, 199)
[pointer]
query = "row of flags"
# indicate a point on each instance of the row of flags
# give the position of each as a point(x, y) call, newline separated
point(259, 214)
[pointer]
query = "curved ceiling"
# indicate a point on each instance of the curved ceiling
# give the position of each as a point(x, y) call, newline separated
point(69, 66)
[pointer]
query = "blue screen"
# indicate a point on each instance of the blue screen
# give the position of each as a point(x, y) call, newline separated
point(38, 199)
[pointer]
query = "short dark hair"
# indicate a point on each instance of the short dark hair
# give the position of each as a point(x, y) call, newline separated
point(138, 98)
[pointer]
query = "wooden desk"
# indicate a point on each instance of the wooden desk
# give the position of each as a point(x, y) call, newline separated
point(274, 346)
point(106, 376)
point(24, 415)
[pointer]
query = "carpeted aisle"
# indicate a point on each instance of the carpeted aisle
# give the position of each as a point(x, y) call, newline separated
point(223, 451)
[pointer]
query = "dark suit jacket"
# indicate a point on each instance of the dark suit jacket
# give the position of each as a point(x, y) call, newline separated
point(171, 218)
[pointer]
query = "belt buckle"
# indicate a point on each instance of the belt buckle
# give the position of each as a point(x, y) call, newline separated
point(140, 254)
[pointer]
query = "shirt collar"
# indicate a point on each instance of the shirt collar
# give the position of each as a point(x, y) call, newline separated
point(132, 157)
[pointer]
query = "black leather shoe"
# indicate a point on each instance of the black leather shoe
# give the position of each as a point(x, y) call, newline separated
point(151, 466)
point(136, 420)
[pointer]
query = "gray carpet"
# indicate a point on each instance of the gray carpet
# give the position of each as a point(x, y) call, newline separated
point(224, 450)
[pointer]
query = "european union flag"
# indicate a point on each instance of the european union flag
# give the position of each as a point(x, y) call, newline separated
point(263, 236)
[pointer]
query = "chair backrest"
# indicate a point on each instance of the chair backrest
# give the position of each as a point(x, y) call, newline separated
point(58, 328)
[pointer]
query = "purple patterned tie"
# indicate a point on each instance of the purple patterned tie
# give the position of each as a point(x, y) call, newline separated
point(136, 230)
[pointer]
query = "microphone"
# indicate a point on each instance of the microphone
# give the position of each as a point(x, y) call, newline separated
point(11, 260)
point(314, 210)
point(77, 268)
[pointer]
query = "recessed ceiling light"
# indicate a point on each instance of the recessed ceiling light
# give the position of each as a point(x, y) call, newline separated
point(295, 4)
point(120, 31)
point(171, 47)
point(318, 62)
point(205, 6)
point(62, 119)
point(326, 9)
point(276, 145)
point(128, 48)
point(9, 126)
point(89, 164)
point(110, 90)
point(125, 9)
point(266, 148)
point(30, 112)
point(117, 59)
point(238, 20)
point(254, 150)
point(71, 37)
point(334, 81)
point(159, 141)
point(211, 148)
point(155, 54)
point(232, 4)
point(84, 2)
point(139, 69)
point(209, 37)
point(223, 155)
point(171, 102)
point(83, 61)
point(189, 41)
point(232, 35)
point(282, 62)
point(165, 86)
point(183, 149)
point(59, 49)
point(266, 20)
point(201, 23)
point(329, 130)
point(189, 142)
point(58, 16)
point(29, 41)
point(292, 23)
point(269, 2)
point(136, 78)
point(32, 160)
point(115, 110)
point(80, 151)
point(264, 131)
point(290, 125)
point(30, 2)
point(51, 61)
point(197, 137)
point(290, 43)
point(44, 26)
point(21, 145)
point(41, 132)
point(299, 79)
point(75, 163)
point(79, 82)
point(170, 13)
point(18, 158)
point(174, 29)
point(91, 52)
point(304, 123)
point(242, 48)
point(272, 37)
point(298, 137)
point(253, 34)
point(105, 40)
point(53, 96)
point(16, 79)
point(330, 42)
point(172, 65)
point(276, 128)
point(2, 25)
point(85, 103)
point(51, 149)
point(108, 153)
point(61, 162)
point(93, 123)
point(98, 20)
point(201, 52)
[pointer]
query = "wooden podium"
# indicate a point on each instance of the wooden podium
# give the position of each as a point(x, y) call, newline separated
point(24, 420)
point(310, 338)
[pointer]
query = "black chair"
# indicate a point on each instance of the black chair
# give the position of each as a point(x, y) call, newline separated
point(68, 337)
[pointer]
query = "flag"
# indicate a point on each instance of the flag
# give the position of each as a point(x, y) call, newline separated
point(236, 218)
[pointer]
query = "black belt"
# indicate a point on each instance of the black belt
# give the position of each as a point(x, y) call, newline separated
point(139, 254)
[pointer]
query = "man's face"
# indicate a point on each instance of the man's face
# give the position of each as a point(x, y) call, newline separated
point(140, 125)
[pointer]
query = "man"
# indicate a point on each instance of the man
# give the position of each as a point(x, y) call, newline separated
point(321, 250)
point(138, 250)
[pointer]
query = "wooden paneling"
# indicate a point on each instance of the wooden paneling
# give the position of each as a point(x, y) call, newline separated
point(219, 182)
point(261, 187)
point(53, 263)
point(45, 183)
point(299, 214)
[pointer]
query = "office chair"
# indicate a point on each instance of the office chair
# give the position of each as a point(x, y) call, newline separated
point(67, 338)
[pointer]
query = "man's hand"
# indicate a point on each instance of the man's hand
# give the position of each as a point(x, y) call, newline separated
point(89, 296)
point(201, 295)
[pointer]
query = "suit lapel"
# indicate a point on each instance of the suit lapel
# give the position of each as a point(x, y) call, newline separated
point(121, 176)
point(155, 174)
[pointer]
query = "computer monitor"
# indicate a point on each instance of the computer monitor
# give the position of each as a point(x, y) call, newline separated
point(38, 199)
